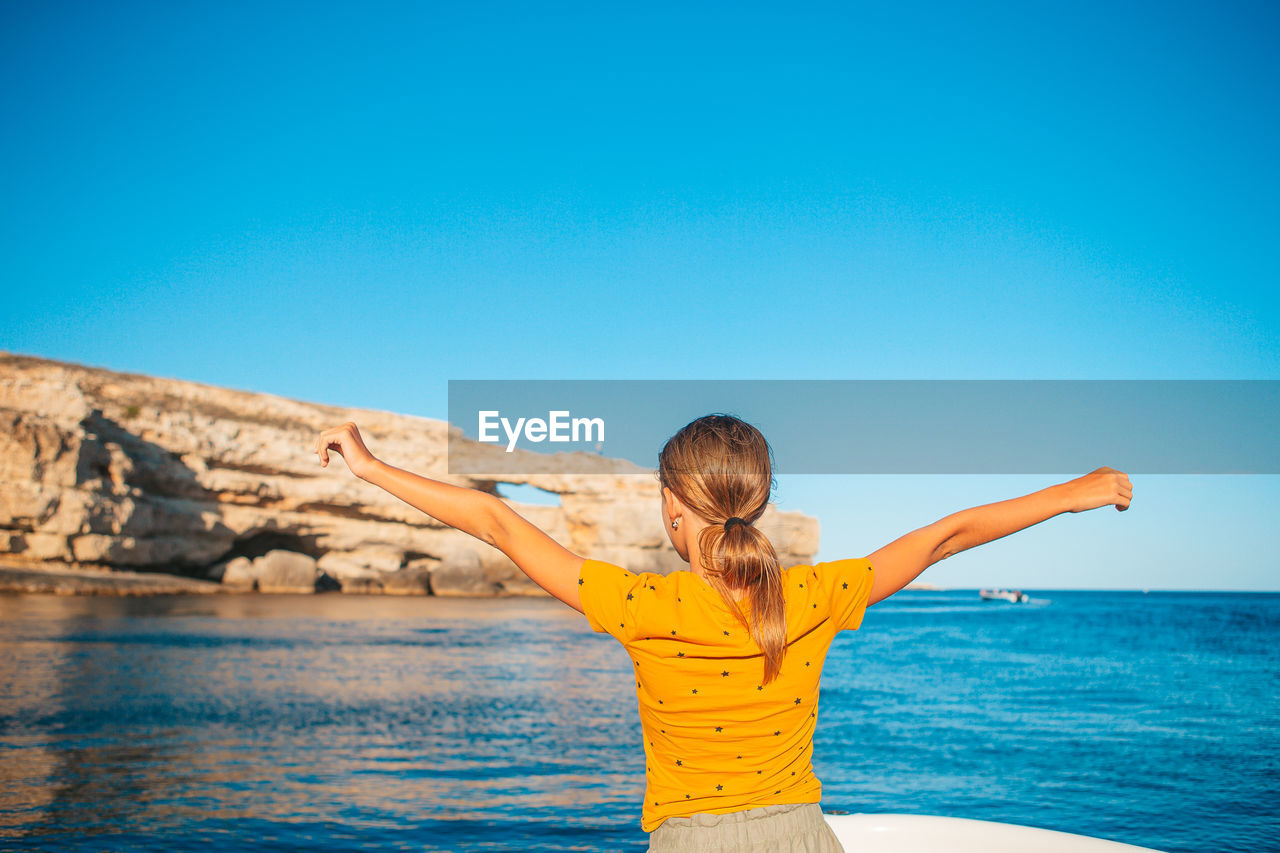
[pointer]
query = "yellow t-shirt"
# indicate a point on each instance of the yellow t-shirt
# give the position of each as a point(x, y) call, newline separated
point(716, 738)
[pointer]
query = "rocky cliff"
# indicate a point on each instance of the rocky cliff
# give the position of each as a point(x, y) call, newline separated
point(103, 471)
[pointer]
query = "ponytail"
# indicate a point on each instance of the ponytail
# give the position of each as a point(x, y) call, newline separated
point(742, 557)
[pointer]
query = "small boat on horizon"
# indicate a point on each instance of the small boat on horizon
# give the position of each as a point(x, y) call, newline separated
point(1014, 596)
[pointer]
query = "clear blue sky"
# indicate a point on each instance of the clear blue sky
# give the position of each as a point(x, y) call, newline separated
point(354, 204)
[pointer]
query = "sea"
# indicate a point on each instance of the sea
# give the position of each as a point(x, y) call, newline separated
point(330, 722)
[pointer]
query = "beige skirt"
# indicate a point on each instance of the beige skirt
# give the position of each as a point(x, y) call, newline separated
point(795, 828)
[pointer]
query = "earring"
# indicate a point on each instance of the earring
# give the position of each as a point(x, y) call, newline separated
point(675, 524)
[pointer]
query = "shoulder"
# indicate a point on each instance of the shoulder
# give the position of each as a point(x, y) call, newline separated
point(858, 568)
point(602, 573)
point(846, 584)
point(601, 576)
point(612, 596)
point(600, 569)
point(829, 571)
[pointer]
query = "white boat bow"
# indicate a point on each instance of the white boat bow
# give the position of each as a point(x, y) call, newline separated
point(909, 833)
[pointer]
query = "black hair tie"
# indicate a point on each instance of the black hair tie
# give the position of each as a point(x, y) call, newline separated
point(728, 525)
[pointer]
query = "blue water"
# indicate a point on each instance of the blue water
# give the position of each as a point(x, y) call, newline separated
point(335, 723)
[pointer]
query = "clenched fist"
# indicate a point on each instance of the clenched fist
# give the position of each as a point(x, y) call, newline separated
point(1102, 487)
point(346, 440)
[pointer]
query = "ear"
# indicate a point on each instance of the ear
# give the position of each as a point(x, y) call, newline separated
point(673, 505)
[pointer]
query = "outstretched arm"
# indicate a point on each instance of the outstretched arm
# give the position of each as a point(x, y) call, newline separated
point(486, 517)
point(902, 560)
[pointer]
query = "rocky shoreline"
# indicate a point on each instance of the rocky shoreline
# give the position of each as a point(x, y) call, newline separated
point(146, 485)
point(66, 581)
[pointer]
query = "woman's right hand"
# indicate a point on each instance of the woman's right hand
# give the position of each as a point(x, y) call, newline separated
point(347, 442)
point(1103, 487)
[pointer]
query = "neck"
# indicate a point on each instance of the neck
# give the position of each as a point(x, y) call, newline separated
point(692, 535)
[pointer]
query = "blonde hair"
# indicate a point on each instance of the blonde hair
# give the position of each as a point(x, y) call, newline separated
point(721, 467)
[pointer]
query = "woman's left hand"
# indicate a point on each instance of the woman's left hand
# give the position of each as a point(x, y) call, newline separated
point(1101, 487)
point(347, 442)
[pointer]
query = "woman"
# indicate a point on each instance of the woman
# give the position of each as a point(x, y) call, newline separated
point(727, 655)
